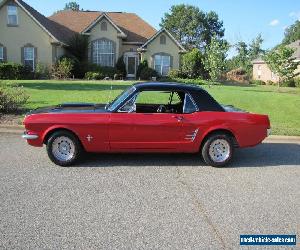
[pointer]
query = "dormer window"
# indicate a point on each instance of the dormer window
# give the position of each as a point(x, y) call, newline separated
point(104, 26)
point(162, 39)
point(12, 15)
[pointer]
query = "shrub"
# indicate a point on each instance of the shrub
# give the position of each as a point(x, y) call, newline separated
point(121, 67)
point(148, 73)
point(237, 75)
point(297, 82)
point(62, 69)
point(192, 64)
point(92, 75)
point(257, 82)
point(12, 99)
point(108, 71)
point(289, 83)
point(41, 71)
point(142, 65)
point(14, 71)
point(176, 73)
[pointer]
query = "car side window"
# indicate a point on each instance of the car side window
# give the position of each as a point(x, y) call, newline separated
point(189, 106)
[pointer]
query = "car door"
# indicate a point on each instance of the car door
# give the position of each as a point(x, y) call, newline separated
point(149, 130)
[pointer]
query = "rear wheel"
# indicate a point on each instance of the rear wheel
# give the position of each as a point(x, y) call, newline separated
point(217, 150)
point(64, 148)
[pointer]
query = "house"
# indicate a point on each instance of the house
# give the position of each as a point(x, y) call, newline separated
point(28, 37)
point(262, 72)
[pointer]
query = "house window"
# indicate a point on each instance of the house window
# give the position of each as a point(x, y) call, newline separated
point(29, 57)
point(1, 54)
point(12, 15)
point(162, 39)
point(103, 52)
point(162, 64)
point(273, 75)
point(104, 26)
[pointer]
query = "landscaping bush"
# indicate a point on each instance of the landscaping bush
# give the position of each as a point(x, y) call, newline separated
point(297, 82)
point(257, 82)
point(14, 71)
point(121, 68)
point(108, 71)
point(148, 73)
point(12, 99)
point(41, 72)
point(92, 75)
point(176, 73)
point(237, 75)
point(142, 65)
point(289, 83)
point(62, 69)
point(192, 64)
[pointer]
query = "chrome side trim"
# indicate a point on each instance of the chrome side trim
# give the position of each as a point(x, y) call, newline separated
point(29, 137)
point(191, 98)
point(191, 137)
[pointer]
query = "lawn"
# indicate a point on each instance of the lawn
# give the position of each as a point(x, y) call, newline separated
point(282, 106)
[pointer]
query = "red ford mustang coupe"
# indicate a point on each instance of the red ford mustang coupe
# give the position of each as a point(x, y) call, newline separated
point(147, 117)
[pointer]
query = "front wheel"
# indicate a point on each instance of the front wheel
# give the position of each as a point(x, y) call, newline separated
point(64, 148)
point(217, 150)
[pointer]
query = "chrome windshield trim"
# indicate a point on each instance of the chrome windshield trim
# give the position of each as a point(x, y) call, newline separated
point(29, 137)
point(184, 102)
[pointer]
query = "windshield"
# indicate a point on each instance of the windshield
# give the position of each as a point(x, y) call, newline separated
point(120, 98)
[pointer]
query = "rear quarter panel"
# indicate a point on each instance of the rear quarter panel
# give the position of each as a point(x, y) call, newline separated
point(248, 129)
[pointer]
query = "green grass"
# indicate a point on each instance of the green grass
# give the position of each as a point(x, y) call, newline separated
point(283, 106)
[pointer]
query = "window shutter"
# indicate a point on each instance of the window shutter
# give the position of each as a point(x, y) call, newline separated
point(171, 61)
point(35, 57)
point(22, 55)
point(4, 54)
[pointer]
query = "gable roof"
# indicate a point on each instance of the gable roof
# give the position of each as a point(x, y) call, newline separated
point(104, 15)
point(182, 49)
point(58, 32)
point(135, 28)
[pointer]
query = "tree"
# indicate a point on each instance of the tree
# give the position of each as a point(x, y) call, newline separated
point(72, 6)
point(192, 27)
point(292, 33)
point(192, 64)
point(242, 56)
point(78, 50)
point(282, 62)
point(255, 49)
point(214, 61)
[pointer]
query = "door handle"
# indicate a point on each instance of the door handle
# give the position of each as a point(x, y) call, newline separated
point(179, 118)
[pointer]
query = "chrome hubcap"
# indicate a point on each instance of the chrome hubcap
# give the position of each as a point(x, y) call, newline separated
point(219, 150)
point(63, 148)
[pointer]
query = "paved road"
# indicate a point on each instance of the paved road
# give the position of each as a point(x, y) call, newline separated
point(146, 201)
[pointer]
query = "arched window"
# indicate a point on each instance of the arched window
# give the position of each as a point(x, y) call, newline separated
point(162, 63)
point(103, 52)
point(162, 39)
point(104, 26)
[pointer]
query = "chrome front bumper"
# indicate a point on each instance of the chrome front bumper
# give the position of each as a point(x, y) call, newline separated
point(29, 137)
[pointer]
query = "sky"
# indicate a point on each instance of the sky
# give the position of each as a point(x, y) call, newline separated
point(243, 20)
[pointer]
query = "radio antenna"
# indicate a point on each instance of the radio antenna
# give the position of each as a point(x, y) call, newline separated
point(110, 92)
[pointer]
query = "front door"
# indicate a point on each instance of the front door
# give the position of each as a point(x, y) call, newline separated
point(131, 61)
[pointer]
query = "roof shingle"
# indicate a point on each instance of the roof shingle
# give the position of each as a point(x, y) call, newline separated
point(136, 29)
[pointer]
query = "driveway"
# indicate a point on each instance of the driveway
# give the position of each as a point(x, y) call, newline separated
point(146, 201)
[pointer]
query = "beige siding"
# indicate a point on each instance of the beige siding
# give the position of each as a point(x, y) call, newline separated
point(128, 48)
point(155, 47)
point(28, 31)
point(262, 72)
point(111, 33)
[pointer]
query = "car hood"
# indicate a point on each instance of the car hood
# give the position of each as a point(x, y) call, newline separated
point(231, 108)
point(71, 108)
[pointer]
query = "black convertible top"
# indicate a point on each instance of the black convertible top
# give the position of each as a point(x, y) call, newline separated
point(203, 99)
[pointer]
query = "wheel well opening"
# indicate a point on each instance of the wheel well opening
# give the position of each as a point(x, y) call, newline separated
point(221, 131)
point(46, 138)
